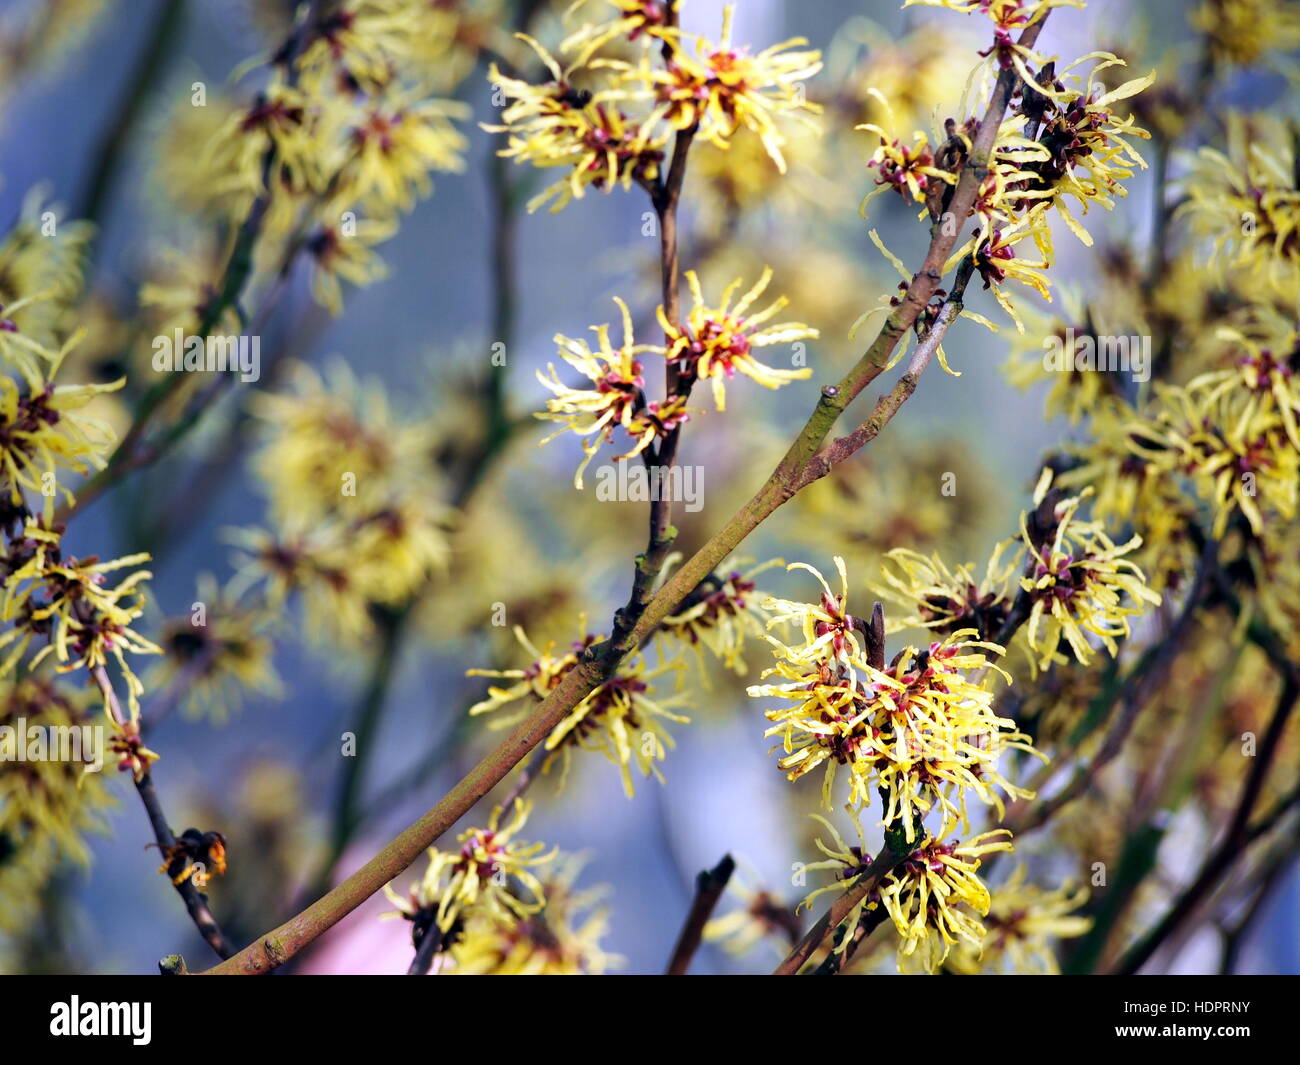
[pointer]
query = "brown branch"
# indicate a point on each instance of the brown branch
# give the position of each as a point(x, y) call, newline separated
point(709, 886)
point(1146, 676)
point(196, 903)
point(881, 866)
point(1235, 841)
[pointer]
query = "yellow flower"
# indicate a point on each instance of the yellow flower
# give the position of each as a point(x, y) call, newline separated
point(557, 125)
point(278, 117)
point(1022, 923)
point(43, 430)
point(344, 253)
point(1079, 582)
point(909, 171)
point(562, 940)
point(489, 876)
point(65, 600)
point(723, 87)
point(619, 719)
point(616, 398)
point(646, 21)
point(396, 145)
point(922, 731)
point(943, 599)
point(1244, 202)
point(828, 629)
point(1082, 149)
point(936, 898)
point(996, 259)
point(717, 342)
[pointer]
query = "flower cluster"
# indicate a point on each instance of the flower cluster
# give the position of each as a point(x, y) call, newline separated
point(713, 343)
point(607, 121)
point(922, 731)
point(1062, 139)
point(489, 876)
point(621, 718)
point(356, 495)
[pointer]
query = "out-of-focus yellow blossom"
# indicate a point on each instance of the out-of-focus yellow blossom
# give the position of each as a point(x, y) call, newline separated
point(332, 443)
point(316, 564)
point(868, 63)
point(490, 876)
point(943, 599)
point(1246, 205)
point(873, 505)
point(716, 342)
point(41, 261)
point(1081, 584)
point(761, 917)
point(47, 806)
point(562, 940)
point(1260, 383)
point(1237, 451)
point(1247, 32)
point(615, 399)
point(218, 651)
point(181, 290)
point(1134, 480)
point(1075, 392)
point(396, 146)
point(729, 186)
point(619, 719)
point(278, 118)
point(181, 167)
point(345, 252)
point(1023, 922)
point(357, 501)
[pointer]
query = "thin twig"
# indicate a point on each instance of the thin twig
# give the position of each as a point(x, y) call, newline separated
point(709, 886)
point(196, 903)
